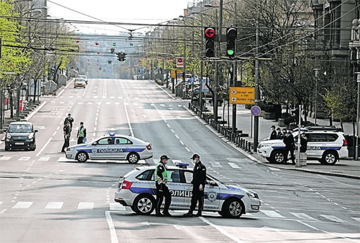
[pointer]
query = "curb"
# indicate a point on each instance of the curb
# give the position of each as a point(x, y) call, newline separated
point(262, 163)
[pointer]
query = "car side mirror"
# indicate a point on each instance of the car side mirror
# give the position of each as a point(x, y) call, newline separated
point(213, 183)
point(94, 143)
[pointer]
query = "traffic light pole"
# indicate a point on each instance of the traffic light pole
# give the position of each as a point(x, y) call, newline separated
point(201, 68)
point(257, 95)
point(217, 64)
point(184, 59)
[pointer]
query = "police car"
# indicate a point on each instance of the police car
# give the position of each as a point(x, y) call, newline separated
point(325, 144)
point(137, 190)
point(111, 147)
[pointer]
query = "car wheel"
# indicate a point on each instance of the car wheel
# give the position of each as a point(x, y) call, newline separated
point(133, 158)
point(277, 156)
point(329, 158)
point(6, 148)
point(144, 204)
point(232, 208)
point(82, 157)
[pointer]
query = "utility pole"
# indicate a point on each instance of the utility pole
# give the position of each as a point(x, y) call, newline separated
point(257, 94)
point(201, 66)
point(234, 83)
point(184, 58)
point(217, 64)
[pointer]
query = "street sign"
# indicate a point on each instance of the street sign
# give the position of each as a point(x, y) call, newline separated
point(179, 62)
point(192, 80)
point(242, 95)
point(203, 86)
point(179, 75)
point(255, 110)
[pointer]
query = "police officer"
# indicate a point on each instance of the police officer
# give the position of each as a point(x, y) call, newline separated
point(81, 133)
point(66, 131)
point(161, 188)
point(70, 120)
point(199, 180)
point(289, 146)
point(273, 134)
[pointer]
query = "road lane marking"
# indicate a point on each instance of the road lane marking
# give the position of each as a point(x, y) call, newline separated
point(54, 205)
point(113, 236)
point(117, 207)
point(272, 214)
point(357, 219)
point(271, 168)
point(332, 218)
point(303, 216)
point(187, 149)
point(215, 164)
point(235, 166)
point(46, 144)
point(128, 119)
point(5, 158)
point(86, 205)
point(23, 205)
point(181, 142)
point(221, 230)
point(24, 158)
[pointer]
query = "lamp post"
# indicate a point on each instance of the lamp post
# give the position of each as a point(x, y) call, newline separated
point(316, 70)
point(357, 117)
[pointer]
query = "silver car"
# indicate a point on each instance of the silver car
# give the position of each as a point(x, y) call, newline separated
point(137, 190)
point(111, 147)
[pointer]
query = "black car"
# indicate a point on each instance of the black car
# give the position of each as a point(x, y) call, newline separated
point(20, 135)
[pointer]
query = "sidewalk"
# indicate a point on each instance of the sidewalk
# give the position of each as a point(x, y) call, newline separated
point(244, 122)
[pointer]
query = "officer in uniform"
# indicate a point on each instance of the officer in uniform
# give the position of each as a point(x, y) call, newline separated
point(199, 180)
point(81, 133)
point(161, 188)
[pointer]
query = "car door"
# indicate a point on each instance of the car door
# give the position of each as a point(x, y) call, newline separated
point(177, 189)
point(315, 142)
point(99, 149)
point(118, 148)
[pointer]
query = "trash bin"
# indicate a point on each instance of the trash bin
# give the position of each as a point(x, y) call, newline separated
point(303, 158)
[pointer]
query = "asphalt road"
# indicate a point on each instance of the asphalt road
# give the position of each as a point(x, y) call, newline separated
point(47, 198)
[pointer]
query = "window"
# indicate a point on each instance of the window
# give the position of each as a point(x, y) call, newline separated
point(322, 137)
point(122, 141)
point(146, 175)
point(174, 176)
point(188, 176)
point(104, 141)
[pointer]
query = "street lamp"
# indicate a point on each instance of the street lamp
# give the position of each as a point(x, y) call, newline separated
point(357, 117)
point(316, 70)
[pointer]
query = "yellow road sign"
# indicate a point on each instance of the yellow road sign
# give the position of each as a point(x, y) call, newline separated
point(173, 74)
point(242, 95)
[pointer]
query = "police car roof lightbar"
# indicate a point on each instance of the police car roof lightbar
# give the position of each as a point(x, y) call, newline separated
point(112, 134)
point(181, 165)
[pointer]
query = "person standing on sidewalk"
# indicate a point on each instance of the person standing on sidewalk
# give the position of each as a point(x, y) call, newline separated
point(273, 134)
point(289, 146)
point(81, 134)
point(162, 189)
point(199, 180)
point(66, 131)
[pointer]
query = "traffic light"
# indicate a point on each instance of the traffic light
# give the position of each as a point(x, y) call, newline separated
point(231, 34)
point(112, 50)
point(209, 34)
point(121, 56)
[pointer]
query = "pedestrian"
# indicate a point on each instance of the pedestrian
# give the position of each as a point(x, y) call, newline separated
point(289, 146)
point(199, 180)
point(278, 133)
point(303, 143)
point(81, 134)
point(273, 134)
point(70, 120)
point(66, 131)
point(162, 189)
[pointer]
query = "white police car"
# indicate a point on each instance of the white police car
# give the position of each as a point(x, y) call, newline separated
point(325, 144)
point(111, 147)
point(137, 190)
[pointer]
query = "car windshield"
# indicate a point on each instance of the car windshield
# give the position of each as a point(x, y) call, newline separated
point(19, 128)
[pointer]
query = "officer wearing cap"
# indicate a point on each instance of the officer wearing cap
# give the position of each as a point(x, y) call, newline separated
point(81, 135)
point(199, 180)
point(161, 188)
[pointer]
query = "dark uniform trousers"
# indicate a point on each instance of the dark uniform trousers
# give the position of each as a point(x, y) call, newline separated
point(197, 196)
point(161, 192)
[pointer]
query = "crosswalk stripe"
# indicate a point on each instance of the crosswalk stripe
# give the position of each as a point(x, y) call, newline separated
point(215, 164)
point(303, 216)
point(332, 218)
point(23, 205)
point(357, 219)
point(24, 158)
point(117, 207)
point(235, 166)
point(5, 158)
point(272, 214)
point(44, 158)
point(54, 205)
point(86, 205)
point(108, 103)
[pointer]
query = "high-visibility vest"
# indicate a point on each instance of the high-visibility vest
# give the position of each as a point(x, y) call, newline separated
point(81, 133)
point(164, 173)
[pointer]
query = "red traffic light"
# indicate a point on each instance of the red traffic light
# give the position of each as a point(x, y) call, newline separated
point(209, 32)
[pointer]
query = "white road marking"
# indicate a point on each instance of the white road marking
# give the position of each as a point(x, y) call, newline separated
point(89, 103)
point(187, 149)
point(117, 207)
point(108, 103)
point(128, 119)
point(80, 103)
point(112, 97)
point(44, 158)
point(135, 103)
point(113, 236)
point(5, 158)
point(117, 103)
point(178, 227)
point(303, 216)
point(221, 230)
point(172, 131)
point(3, 211)
point(235, 166)
point(357, 219)
point(24, 158)
point(23, 205)
point(162, 104)
point(271, 168)
point(332, 218)
point(44, 147)
point(181, 142)
point(272, 214)
point(86, 205)
point(95, 97)
point(215, 164)
point(54, 205)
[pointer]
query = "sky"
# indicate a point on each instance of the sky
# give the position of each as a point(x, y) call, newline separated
point(133, 11)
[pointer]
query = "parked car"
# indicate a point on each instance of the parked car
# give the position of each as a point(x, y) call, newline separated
point(327, 145)
point(79, 82)
point(20, 135)
point(137, 190)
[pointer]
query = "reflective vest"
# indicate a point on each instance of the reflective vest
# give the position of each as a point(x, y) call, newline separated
point(164, 173)
point(81, 132)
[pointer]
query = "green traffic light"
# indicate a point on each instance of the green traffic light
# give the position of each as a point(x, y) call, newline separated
point(230, 52)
